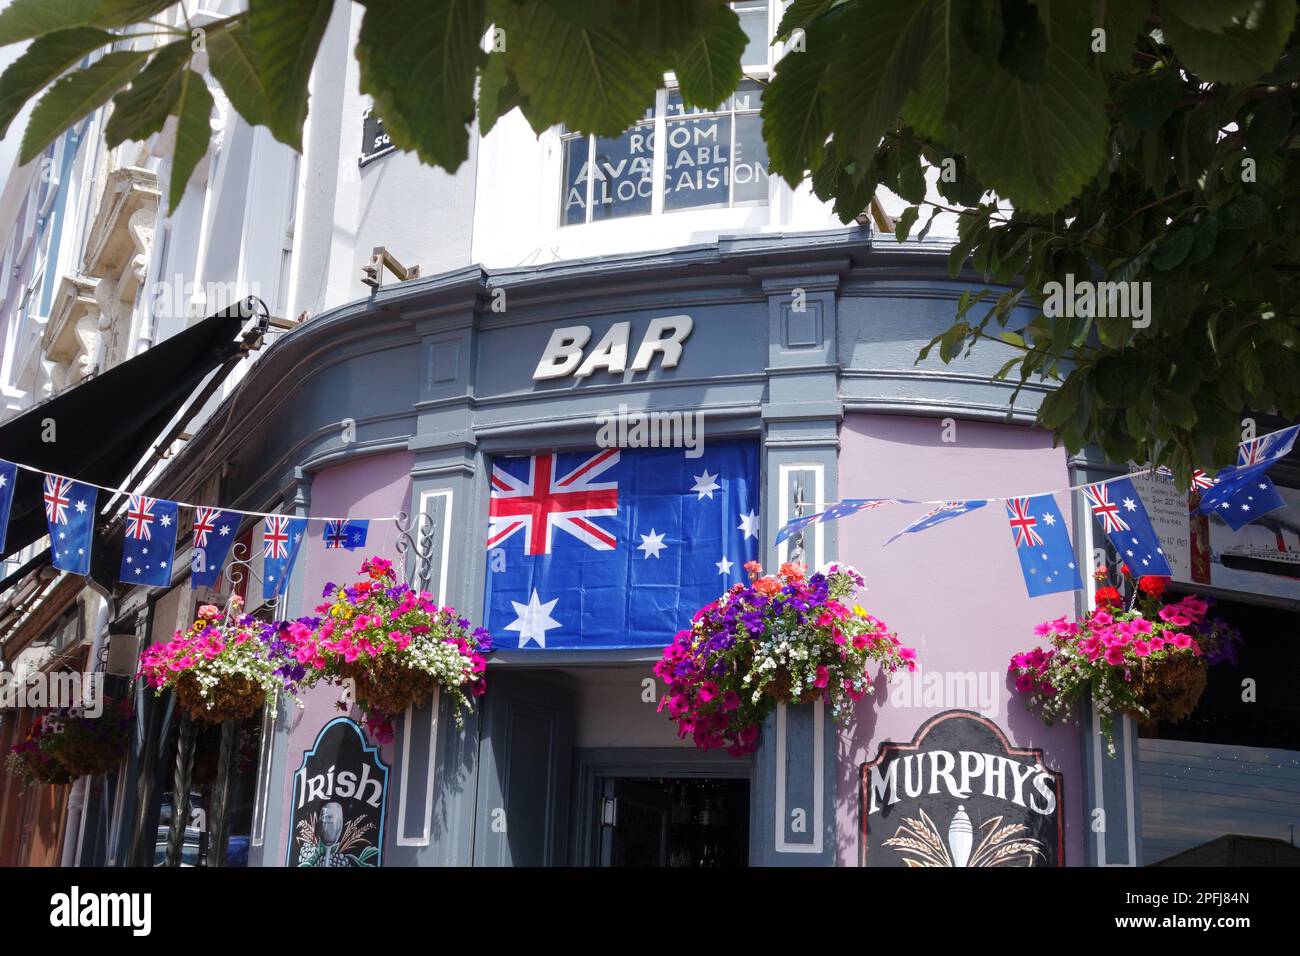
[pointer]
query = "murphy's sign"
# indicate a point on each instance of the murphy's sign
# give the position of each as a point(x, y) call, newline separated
point(959, 795)
point(338, 801)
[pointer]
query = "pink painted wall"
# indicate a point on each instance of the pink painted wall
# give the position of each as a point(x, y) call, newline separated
point(366, 488)
point(954, 592)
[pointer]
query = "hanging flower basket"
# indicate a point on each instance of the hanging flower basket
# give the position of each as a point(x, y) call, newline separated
point(1149, 660)
point(225, 667)
point(395, 643)
point(86, 744)
point(782, 639)
point(31, 763)
point(233, 697)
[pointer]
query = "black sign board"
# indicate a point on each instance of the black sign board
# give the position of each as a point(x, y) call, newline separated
point(959, 795)
point(374, 139)
point(339, 795)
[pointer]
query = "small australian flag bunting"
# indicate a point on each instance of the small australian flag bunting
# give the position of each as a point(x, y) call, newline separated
point(939, 514)
point(214, 533)
point(149, 541)
point(1242, 492)
point(70, 514)
point(1127, 525)
point(281, 540)
point(8, 478)
point(345, 534)
point(1042, 545)
point(615, 547)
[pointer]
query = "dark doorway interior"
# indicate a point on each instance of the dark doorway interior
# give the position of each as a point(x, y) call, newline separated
point(674, 821)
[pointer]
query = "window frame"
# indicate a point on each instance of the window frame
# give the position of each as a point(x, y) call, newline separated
point(759, 73)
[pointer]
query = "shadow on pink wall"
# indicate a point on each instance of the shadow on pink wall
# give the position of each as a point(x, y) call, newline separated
point(954, 592)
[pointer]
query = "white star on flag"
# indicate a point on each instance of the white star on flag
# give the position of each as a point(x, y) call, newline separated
point(224, 530)
point(724, 566)
point(1130, 504)
point(533, 620)
point(1048, 519)
point(651, 544)
point(706, 484)
point(749, 524)
point(165, 521)
point(81, 507)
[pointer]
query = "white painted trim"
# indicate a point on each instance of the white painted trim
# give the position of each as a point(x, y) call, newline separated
point(262, 796)
point(441, 594)
point(423, 838)
point(783, 511)
point(819, 786)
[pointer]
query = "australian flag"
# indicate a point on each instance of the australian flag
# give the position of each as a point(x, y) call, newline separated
point(214, 533)
point(281, 539)
point(1125, 521)
point(70, 514)
point(149, 541)
point(1042, 545)
point(1242, 492)
point(618, 547)
point(939, 514)
point(345, 534)
point(8, 478)
point(841, 509)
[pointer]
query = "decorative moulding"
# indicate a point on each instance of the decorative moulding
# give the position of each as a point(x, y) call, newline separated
point(118, 234)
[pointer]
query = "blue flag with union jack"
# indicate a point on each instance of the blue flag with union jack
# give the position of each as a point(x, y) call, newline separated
point(281, 540)
point(8, 478)
point(345, 534)
point(1047, 558)
point(616, 548)
point(70, 515)
point(1242, 492)
point(214, 532)
point(1126, 523)
point(939, 514)
point(149, 541)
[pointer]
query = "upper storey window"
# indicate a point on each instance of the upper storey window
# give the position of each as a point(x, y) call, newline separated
point(677, 157)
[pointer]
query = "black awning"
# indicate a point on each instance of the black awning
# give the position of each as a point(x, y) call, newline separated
point(105, 426)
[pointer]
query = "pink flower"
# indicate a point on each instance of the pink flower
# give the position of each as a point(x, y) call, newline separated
point(823, 676)
point(730, 701)
point(1115, 655)
point(1142, 648)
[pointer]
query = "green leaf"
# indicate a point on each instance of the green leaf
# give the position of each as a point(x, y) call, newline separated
point(1151, 99)
point(1123, 21)
point(141, 111)
point(1059, 405)
point(43, 61)
point(1269, 125)
point(708, 68)
point(498, 92)
point(905, 223)
point(1174, 249)
point(1176, 408)
point(232, 60)
point(1207, 231)
point(193, 133)
point(926, 106)
point(874, 67)
point(1208, 15)
point(419, 62)
point(795, 125)
point(799, 14)
point(595, 79)
point(1240, 53)
point(25, 19)
point(76, 95)
point(1241, 213)
point(286, 36)
point(1036, 144)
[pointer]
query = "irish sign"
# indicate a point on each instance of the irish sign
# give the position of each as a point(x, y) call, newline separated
point(959, 795)
point(338, 801)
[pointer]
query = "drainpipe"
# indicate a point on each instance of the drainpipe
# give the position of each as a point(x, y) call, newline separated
point(80, 790)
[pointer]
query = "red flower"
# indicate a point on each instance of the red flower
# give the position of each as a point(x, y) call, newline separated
point(1153, 586)
point(1109, 597)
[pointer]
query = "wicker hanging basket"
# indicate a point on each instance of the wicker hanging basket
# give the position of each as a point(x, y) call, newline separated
point(1172, 688)
point(778, 688)
point(234, 698)
point(389, 687)
point(93, 757)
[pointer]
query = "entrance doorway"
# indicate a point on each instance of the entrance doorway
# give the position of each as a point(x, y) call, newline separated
point(673, 821)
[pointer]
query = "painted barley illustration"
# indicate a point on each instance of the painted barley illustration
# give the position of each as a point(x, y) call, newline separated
point(920, 843)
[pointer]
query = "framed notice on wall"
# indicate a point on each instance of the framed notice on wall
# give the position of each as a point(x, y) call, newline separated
point(374, 139)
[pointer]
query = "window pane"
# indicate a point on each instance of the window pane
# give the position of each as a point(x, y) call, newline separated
point(698, 162)
point(624, 174)
point(753, 20)
point(748, 96)
point(573, 192)
point(750, 170)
